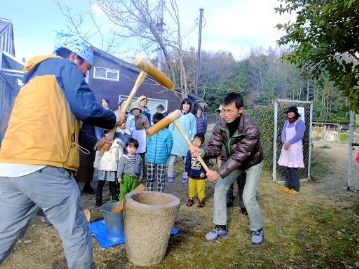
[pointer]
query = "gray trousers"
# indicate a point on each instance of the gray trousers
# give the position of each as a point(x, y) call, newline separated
point(171, 165)
point(55, 191)
point(241, 182)
point(249, 197)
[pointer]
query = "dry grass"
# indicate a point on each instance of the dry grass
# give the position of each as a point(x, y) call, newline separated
point(312, 230)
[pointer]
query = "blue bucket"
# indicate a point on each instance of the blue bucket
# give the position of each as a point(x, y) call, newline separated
point(113, 222)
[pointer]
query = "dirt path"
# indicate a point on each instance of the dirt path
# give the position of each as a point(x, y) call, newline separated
point(334, 156)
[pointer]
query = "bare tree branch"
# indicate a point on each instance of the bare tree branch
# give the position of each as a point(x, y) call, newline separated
point(139, 19)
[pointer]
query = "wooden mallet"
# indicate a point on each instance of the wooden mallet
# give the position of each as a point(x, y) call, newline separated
point(172, 117)
point(147, 68)
point(199, 158)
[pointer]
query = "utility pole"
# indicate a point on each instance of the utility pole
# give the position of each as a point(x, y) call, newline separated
point(199, 49)
point(160, 30)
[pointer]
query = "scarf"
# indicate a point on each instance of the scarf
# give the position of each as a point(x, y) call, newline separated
point(292, 120)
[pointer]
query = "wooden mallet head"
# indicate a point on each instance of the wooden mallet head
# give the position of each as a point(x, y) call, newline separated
point(156, 74)
point(174, 115)
point(147, 68)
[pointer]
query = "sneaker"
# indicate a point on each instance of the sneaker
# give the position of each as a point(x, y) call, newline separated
point(170, 179)
point(201, 203)
point(216, 233)
point(285, 189)
point(258, 237)
point(189, 202)
point(293, 192)
point(244, 211)
point(184, 180)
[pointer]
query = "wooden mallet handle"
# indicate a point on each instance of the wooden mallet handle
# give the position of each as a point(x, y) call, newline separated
point(180, 130)
point(171, 117)
point(147, 69)
point(140, 78)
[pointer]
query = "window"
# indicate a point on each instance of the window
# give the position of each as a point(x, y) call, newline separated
point(106, 73)
point(152, 103)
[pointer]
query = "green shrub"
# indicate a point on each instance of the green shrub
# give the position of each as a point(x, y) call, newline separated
point(263, 116)
point(343, 137)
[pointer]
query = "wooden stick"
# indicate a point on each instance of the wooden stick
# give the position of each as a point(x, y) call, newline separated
point(93, 214)
point(119, 207)
point(180, 130)
point(140, 78)
point(171, 117)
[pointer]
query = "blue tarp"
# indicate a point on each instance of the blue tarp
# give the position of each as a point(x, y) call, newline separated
point(98, 229)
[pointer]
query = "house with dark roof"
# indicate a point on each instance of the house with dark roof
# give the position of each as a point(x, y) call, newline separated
point(110, 78)
point(7, 37)
point(114, 79)
point(10, 73)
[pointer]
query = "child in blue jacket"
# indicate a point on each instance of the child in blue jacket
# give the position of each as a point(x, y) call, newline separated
point(196, 174)
point(159, 148)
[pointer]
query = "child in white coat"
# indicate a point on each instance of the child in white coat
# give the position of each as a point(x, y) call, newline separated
point(106, 165)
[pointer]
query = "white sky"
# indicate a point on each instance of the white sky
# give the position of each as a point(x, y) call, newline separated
point(229, 25)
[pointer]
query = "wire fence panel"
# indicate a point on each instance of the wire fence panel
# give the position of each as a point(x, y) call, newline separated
point(353, 166)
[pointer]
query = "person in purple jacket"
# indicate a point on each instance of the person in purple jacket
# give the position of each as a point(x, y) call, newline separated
point(201, 121)
point(291, 155)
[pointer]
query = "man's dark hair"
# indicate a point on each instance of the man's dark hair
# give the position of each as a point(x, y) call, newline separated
point(65, 53)
point(157, 117)
point(132, 142)
point(233, 97)
point(200, 136)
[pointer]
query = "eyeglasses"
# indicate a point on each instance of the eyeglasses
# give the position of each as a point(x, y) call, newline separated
point(229, 111)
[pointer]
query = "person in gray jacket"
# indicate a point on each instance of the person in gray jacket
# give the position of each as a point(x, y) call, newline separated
point(130, 169)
